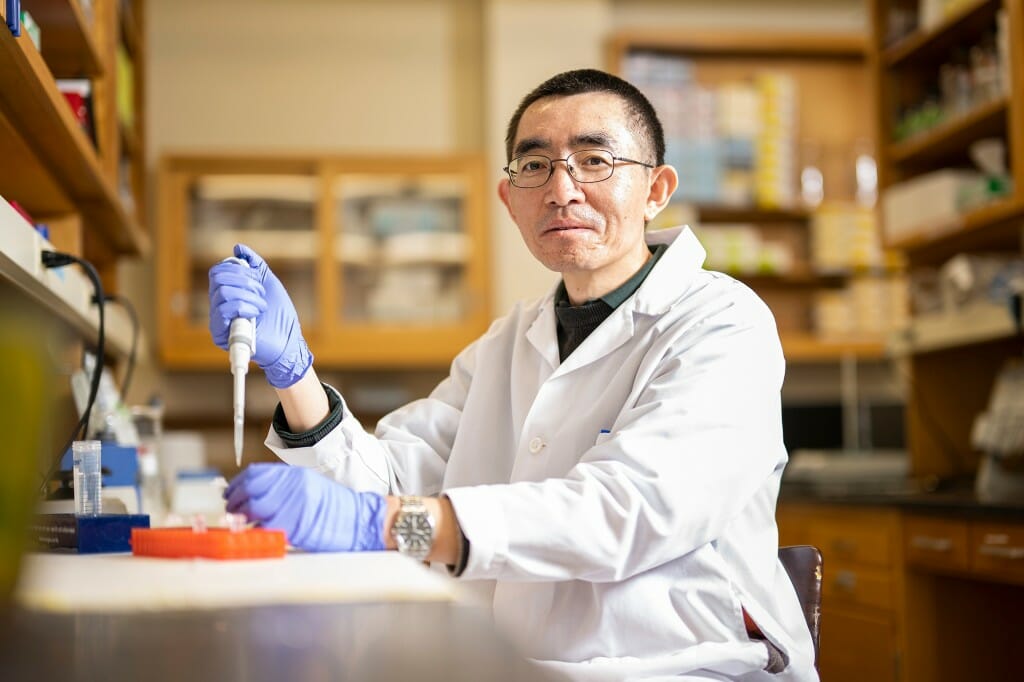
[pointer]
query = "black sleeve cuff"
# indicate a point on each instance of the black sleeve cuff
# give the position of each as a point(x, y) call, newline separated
point(460, 564)
point(317, 433)
point(457, 570)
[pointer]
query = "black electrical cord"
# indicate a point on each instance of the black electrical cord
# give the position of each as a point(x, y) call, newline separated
point(130, 309)
point(55, 259)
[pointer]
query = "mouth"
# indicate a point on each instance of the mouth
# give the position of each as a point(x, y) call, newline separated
point(564, 227)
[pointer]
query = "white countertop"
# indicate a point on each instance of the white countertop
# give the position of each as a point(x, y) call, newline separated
point(123, 582)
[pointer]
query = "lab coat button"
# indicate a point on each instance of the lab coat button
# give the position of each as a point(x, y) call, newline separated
point(535, 445)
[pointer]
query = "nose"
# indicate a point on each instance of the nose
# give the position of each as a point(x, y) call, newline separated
point(562, 188)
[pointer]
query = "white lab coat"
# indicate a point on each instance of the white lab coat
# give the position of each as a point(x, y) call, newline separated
point(623, 501)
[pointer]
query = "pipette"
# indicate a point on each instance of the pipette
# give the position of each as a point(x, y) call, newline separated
point(241, 346)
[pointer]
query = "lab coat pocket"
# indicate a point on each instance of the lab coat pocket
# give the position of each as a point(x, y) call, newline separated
point(602, 436)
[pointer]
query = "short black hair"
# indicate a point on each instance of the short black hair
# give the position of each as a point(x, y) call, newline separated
point(643, 118)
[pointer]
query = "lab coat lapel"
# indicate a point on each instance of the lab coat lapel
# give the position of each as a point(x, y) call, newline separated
point(542, 334)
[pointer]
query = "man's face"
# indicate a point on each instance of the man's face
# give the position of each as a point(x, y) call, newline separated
point(592, 233)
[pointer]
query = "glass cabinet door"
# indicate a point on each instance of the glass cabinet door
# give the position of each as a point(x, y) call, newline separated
point(401, 249)
point(274, 215)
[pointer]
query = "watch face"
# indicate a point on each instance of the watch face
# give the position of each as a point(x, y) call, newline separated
point(414, 533)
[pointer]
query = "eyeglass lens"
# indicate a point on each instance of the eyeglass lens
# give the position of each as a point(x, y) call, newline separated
point(587, 165)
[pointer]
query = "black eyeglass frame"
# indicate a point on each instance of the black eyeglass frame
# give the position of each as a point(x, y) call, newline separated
point(551, 169)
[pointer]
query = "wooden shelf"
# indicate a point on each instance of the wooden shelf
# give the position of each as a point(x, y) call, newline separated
point(995, 225)
point(726, 43)
point(951, 139)
point(977, 324)
point(934, 44)
point(808, 348)
point(36, 110)
point(792, 280)
point(68, 45)
point(753, 214)
point(65, 291)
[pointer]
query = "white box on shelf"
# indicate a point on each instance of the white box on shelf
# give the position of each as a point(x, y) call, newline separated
point(61, 289)
point(924, 205)
point(18, 240)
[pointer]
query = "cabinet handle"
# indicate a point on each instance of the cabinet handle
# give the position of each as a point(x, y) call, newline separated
point(1012, 553)
point(931, 544)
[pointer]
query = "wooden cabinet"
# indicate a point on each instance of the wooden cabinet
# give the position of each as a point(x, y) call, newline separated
point(936, 97)
point(964, 590)
point(384, 258)
point(746, 116)
point(911, 594)
point(861, 590)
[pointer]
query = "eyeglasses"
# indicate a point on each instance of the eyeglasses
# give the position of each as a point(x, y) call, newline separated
point(586, 165)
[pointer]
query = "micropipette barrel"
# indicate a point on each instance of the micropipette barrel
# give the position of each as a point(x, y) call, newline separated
point(241, 346)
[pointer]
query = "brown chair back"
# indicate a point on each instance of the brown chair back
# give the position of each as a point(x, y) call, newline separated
point(804, 565)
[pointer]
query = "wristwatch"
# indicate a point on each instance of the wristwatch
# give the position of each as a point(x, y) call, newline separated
point(413, 529)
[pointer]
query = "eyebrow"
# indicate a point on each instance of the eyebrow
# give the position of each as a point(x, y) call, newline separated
point(585, 140)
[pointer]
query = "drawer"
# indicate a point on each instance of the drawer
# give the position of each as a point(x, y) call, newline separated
point(850, 541)
point(845, 585)
point(936, 543)
point(997, 550)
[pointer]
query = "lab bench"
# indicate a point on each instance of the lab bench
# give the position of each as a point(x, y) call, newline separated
point(366, 641)
point(366, 616)
point(917, 587)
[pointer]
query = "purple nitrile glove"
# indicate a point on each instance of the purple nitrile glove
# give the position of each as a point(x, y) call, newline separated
point(316, 513)
point(254, 291)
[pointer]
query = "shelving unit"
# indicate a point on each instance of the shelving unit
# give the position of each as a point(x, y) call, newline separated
point(53, 145)
point(974, 336)
point(954, 354)
point(834, 111)
point(60, 176)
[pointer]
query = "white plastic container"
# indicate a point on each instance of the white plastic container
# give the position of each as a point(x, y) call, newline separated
point(926, 205)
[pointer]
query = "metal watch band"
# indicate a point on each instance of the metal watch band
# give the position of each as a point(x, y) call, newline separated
point(412, 504)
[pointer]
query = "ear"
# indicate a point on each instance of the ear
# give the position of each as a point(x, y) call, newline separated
point(503, 194)
point(664, 180)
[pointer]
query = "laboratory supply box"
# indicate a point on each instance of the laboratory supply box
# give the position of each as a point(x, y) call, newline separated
point(85, 534)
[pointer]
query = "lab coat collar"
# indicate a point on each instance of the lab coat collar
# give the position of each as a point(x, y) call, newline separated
point(662, 287)
point(654, 297)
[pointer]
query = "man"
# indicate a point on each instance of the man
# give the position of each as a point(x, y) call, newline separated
point(609, 455)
